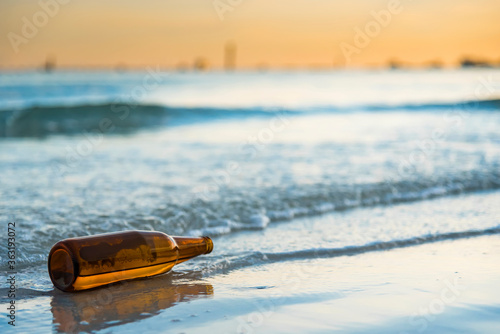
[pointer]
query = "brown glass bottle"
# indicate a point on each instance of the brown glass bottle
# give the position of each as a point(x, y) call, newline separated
point(88, 262)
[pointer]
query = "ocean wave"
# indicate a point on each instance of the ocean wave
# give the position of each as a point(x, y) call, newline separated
point(41, 121)
point(256, 210)
point(106, 118)
point(227, 263)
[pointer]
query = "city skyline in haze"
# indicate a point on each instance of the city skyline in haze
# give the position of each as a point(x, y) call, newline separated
point(248, 34)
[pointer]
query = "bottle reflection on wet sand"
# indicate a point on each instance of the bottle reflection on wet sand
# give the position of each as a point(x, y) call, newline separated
point(121, 303)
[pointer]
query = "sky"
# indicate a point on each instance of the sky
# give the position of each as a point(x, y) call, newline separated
point(267, 33)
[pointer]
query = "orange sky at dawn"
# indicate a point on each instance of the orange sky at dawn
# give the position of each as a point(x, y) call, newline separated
point(271, 33)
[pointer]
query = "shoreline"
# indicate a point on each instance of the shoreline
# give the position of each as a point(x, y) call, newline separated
point(444, 286)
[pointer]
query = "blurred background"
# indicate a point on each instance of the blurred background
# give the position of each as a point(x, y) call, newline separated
point(249, 35)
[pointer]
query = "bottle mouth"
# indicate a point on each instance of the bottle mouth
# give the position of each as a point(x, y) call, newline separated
point(210, 245)
point(62, 269)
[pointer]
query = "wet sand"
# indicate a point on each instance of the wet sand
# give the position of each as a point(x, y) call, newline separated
point(447, 286)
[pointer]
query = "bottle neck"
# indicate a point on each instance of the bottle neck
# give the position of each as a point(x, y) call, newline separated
point(191, 247)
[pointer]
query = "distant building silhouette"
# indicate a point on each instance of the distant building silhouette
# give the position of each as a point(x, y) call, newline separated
point(262, 67)
point(469, 62)
point(50, 63)
point(182, 67)
point(120, 67)
point(434, 64)
point(230, 56)
point(200, 64)
point(395, 65)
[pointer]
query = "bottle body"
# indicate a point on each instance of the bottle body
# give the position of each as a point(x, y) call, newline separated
point(88, 262)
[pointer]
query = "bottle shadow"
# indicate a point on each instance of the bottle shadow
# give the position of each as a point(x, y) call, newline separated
point(124, 302)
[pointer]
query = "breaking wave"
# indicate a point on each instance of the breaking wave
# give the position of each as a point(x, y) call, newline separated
point(255, 211)
point(41, 121)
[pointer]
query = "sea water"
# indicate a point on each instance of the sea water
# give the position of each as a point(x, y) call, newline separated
point(233, 155)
